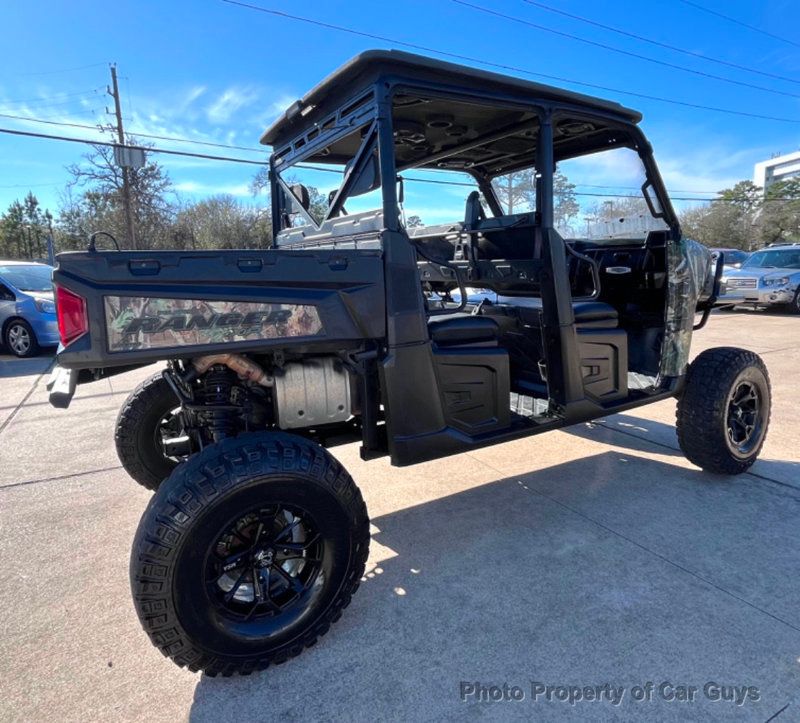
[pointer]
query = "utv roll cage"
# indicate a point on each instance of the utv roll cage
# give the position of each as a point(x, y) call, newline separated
point(390, 95)
point(332, 110)
point(352, 316)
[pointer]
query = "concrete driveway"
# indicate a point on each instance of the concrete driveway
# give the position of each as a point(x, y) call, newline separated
point(579, 564)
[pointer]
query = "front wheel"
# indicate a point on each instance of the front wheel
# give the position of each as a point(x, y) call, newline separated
point(723, 413)
point(248, 553)
point(21, 339)
point(794, 307)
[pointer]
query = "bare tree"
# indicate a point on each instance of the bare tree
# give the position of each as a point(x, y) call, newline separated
point(100, 180)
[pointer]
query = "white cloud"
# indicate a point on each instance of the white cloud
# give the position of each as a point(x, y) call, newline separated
point(281, 104)
point(192, 95)
point(265, 117)
point(708, 168)
point(229, 102)
point(188, 187)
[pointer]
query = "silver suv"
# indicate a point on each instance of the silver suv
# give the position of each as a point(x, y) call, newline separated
point(770, 277)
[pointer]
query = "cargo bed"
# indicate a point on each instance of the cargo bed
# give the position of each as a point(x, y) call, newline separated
point(140, 307)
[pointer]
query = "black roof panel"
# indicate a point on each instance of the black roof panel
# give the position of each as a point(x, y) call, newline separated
point(364, 67)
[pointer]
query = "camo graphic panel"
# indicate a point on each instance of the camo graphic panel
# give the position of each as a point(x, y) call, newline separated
point(689, 272)
point(137, 322)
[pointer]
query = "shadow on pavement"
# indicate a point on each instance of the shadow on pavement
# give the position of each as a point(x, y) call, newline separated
point(11, 366)
point(750, 311)
point(33, 405)
point(606, 568)
point(625, 430)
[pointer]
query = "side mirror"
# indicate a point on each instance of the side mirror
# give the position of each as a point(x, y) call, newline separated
point(369, 179)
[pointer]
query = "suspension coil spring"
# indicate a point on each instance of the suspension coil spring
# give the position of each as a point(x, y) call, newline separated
point(220, 417)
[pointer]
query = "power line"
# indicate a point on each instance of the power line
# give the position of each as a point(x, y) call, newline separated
point(31, 185)
point(65, 124)
point(466, 184)
point(636, 188)
point(503, 66)
point(739, 22)
point(248, 161)
point(196, 142)
point(65, 70)
point(29, 108)
point(628, 53)
point(51, 118)
point(659, 44)
point(86, 141)
point(54, 99)
point(132, 133)
point(65, 111)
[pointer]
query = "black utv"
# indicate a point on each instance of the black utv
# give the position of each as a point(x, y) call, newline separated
point(364, 322)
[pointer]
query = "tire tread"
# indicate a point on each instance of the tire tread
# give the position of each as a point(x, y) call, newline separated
point(702, 408)
point(130, 420)
point(187, 493)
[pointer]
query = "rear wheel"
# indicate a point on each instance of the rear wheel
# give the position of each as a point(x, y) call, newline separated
point(248, 553)
point(20, 338)
point(150, 415)
point(723, 413)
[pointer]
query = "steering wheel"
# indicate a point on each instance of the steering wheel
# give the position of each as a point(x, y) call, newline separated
point(474, 211)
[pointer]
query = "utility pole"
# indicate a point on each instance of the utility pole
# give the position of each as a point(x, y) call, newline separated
point(126, 186)
point(51, 242)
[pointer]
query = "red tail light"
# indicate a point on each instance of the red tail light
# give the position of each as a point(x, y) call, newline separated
point(73, 321)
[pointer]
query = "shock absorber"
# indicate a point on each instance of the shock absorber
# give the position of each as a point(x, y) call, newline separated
point(219, 411)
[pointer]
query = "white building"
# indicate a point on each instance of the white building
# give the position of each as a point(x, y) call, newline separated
point(780, 168)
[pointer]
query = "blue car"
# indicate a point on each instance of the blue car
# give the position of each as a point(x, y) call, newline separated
point(27, 310)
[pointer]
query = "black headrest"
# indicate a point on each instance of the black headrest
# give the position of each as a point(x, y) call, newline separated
point(474, 212)
point(300, 192)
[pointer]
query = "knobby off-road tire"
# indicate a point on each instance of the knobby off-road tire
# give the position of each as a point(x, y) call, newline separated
point(723, 413)
point(219, 523)
point(138, 436)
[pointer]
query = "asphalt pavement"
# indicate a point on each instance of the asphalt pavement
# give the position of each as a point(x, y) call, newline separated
point(592, 571)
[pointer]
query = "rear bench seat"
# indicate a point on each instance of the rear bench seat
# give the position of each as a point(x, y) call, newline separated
point(588, 314)
point(463, 328)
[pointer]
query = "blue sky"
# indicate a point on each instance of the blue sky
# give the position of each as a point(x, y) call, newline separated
point(212, 71)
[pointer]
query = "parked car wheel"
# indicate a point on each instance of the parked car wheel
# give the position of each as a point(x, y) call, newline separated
point(20, 338)
point(248, 553)
point(148, 416)
point(794, 307)
point(723, 413)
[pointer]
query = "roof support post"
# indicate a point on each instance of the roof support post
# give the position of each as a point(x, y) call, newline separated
point(565, 386)
point(276, 194)
point(391, 217)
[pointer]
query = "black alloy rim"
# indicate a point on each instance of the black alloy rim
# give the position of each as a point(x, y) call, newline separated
point(744, 423)
point(264, 564)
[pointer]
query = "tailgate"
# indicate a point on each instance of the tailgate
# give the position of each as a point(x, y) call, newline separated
point(146, 306)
